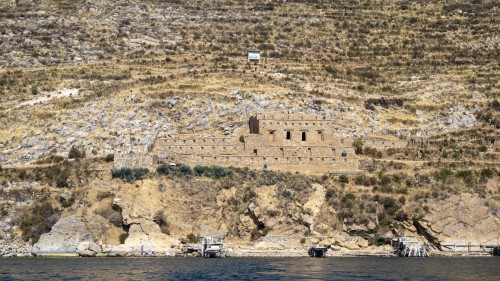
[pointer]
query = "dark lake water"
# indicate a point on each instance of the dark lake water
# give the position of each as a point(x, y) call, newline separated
point(434, 268)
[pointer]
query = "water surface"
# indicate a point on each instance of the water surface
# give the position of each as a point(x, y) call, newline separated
point(372, 268)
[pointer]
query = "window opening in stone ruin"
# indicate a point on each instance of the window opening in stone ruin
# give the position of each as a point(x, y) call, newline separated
point(303, 136)
point(282, 151)
point(310, 151)
point(271, 134)
point(288, 135)
point(320, 134)
point(333, 149)
point(255, 151)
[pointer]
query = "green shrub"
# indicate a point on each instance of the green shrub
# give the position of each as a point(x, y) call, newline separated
point(466, 176)
point(185, 169)
point(390, 205)
point(442, 175)
point(329, 194)
point(103, 195)
point(302, 240)
point(199, 170)
point(110, 158)
point(358, 146)
point(75, 153)
point(255, 234)
point(123, 237)
point(192, 238)
point(348, 197)
point(68, 203)
point(219, 171)
point(39, 221)
point(128, 174)
point(163, 169)
point(383, 221)
point(384, 180)
point(62, 179)
point(486, 173)
point(249, 195)
point(343, 179)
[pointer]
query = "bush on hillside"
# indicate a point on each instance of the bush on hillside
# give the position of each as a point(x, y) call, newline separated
point(128, 174)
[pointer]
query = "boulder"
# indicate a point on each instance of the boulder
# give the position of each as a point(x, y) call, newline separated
point(87, 253)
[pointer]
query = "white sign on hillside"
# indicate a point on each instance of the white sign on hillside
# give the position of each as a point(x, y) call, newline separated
point(254, 55)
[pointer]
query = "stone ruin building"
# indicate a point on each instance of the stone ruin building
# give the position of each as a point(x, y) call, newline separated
point(273, 139)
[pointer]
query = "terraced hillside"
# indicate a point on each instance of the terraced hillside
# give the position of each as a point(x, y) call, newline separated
point(414, 85)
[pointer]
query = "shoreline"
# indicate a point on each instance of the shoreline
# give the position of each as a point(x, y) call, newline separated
point(240, 255)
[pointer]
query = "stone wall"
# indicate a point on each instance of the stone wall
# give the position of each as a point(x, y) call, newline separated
point(132, 160)
point(385, 144)
point(341, 163)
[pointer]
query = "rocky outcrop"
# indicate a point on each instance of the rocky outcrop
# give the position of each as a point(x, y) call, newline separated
point(461, 219)
point(65, 238)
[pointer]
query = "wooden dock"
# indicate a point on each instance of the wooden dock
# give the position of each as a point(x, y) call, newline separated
point(493, 250)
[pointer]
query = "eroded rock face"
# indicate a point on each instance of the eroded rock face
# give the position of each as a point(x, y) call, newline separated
point(462, 219)
point(64, 237)
point(144, 233)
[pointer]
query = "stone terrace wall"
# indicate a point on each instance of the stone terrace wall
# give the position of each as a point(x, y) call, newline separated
point(385, 144)
point(341, 163)
point(133, 160)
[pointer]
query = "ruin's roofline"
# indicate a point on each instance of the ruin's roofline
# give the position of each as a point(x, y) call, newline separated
point(193, 136)
point(277, 119)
